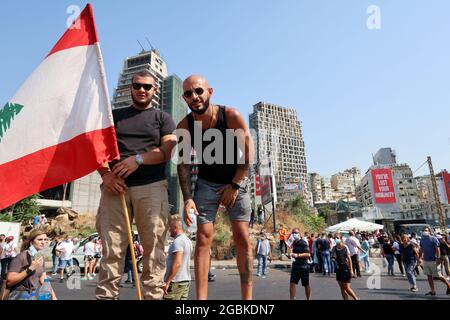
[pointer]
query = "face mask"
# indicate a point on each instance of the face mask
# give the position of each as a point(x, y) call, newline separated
point(295, 236)
point(32, 250)
point(338, 241)
point(425, 233)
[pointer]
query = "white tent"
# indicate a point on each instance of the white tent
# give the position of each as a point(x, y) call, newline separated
point(356, 224)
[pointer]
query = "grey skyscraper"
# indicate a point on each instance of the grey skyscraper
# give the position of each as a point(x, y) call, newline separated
point(279, 132)
point(146, 60)
point(174, 105)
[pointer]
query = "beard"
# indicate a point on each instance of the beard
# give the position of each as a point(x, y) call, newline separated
point(202, 109)
point(140, 104)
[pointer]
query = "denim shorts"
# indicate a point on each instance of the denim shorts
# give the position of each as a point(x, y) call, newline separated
point(207, 201)
point(64, 263)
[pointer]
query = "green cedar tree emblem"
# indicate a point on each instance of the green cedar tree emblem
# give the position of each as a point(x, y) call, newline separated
point(7, 114)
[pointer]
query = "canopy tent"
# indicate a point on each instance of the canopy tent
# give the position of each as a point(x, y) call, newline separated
point(356, 224)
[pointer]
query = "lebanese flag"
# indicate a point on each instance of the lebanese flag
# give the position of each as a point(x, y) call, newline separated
point(59, 126)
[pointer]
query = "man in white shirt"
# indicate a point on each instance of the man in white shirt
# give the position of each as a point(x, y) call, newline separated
point(65, 248)
point(354, 246)
point(178, 271)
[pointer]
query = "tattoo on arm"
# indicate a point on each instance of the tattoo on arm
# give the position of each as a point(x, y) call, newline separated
point(184, 174)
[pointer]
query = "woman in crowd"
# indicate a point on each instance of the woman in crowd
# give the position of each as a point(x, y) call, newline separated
point(387, 251)
point(443, 259)
point(364, 255)
point(8, 252)
point(410, 255)
point(344, 270)
point(397, 254)
point(98, 254)
point(27, 270)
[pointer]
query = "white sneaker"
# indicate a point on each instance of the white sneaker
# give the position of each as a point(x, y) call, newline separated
point(90, 278)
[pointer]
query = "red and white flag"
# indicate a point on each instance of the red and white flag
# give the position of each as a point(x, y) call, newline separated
point(58, 127)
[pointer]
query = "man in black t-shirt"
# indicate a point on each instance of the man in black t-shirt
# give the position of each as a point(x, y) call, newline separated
point(145, 139)
point(300, 267)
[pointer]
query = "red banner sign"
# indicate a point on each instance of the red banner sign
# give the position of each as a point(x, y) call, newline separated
point(257, 185)
point(446, 178)
point(383, 186)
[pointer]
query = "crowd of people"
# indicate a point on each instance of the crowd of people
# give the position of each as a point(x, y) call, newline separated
point(348, 255)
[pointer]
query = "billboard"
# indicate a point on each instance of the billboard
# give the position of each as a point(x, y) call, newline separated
point(446, 179)
point(291, 187)
point(257, 185)
point(266, 195)
point(383, 186)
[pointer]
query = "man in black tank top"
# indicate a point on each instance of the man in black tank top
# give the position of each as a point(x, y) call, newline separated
point(224, 150)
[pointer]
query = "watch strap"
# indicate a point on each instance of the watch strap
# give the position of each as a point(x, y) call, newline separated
point(235, 186)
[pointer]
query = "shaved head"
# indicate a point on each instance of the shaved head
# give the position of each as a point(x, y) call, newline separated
point(195, 79)
point(197, 93)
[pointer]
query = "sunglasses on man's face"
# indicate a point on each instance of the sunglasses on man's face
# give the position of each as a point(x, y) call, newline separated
point(189, 93)
point(138, 86)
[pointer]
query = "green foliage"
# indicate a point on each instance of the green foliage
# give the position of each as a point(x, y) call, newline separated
point(23, 211)
point(325, 212)
point(85, 232)
point(7, 114)
point(313, 223)
point(222, 236)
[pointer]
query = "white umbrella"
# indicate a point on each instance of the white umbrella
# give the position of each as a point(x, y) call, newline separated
point(354, 223)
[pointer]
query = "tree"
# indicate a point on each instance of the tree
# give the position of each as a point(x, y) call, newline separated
point(305, 214)
point(23, 211)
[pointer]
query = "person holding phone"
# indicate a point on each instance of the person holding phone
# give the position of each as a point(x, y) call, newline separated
point(27, 270)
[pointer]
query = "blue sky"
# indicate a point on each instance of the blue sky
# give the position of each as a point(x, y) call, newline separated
point(355, 90)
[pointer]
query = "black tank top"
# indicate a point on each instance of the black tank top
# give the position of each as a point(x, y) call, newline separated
point(219, 171)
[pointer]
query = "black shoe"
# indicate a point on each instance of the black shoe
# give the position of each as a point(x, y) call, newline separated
point(448, 291)
point(61, 280)
point(431, 293)
point(127, 281)
point(212, 278)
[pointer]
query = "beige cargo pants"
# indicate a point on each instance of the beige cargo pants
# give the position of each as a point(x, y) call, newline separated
point(148, 205)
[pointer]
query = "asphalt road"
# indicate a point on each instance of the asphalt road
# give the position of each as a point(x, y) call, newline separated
point(275, 287)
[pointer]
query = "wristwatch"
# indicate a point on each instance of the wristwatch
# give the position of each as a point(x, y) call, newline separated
point(235, 186)
point(139, 159)
point(29, 271)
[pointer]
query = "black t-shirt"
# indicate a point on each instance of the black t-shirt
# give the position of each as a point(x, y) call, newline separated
point(407, 252)
point(323, 245)
point(139, 131)
point(388, 248)
point(300, 246)
point(340, 255)
point(443, 248)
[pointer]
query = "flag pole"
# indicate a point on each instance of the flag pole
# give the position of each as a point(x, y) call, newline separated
point(132, 251)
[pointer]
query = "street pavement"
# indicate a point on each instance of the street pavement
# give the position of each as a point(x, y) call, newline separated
point(275, 286)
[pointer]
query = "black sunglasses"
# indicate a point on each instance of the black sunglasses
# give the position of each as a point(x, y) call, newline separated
point(138, 86)
point(198, 91)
